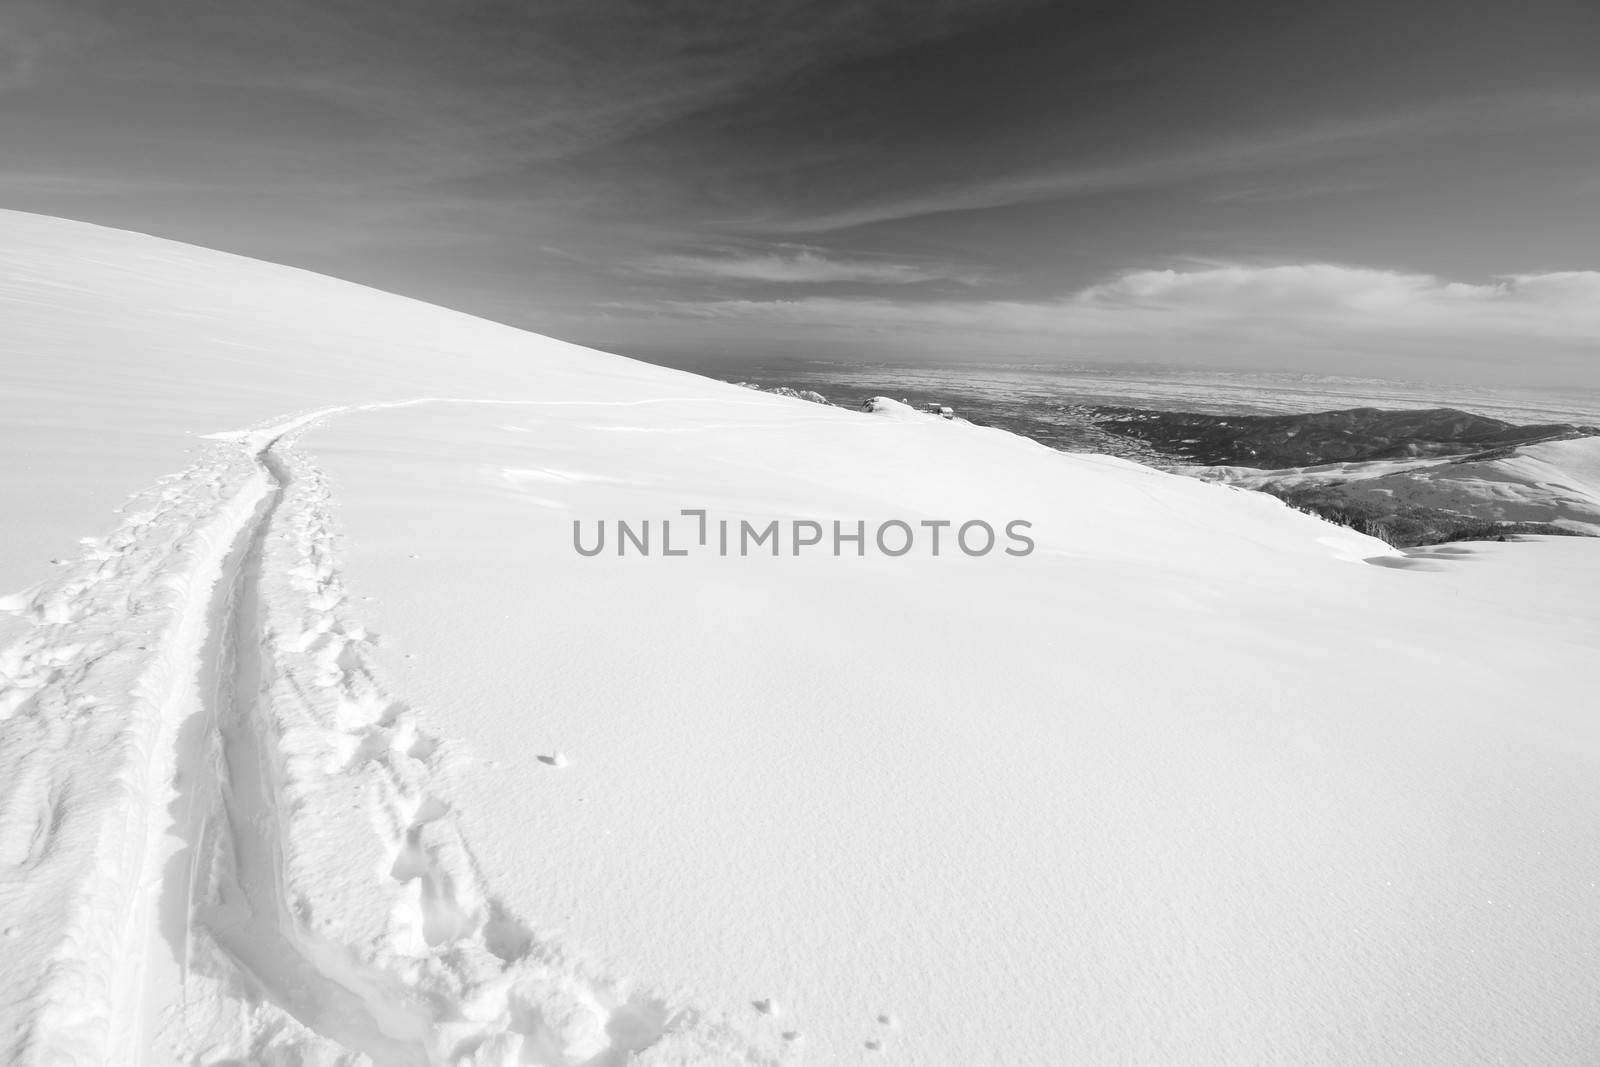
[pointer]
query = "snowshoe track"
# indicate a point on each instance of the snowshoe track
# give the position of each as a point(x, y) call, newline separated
point(307, 764)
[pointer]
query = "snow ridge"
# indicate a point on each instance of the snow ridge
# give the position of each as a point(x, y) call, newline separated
point(293, 760)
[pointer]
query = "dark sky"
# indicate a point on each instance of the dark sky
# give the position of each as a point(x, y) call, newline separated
point(1405, 188)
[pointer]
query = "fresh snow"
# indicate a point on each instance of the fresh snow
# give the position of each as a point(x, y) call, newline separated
point(329, 748)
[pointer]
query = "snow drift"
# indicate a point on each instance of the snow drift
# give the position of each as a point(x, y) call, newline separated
point(329, 748)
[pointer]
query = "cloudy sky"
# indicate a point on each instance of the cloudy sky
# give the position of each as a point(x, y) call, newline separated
point(1408, 188)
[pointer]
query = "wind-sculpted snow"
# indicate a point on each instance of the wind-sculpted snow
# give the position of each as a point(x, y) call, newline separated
point(331, 911)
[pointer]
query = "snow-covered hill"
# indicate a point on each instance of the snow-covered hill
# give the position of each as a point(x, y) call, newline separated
point(1556, 482)
point(330, 744)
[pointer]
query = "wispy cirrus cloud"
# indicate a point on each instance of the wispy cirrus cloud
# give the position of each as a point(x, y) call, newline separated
point(797, 266)
point(69, 185)
point(546, 163)
point(1287, 191)
point(1262, 151)
point(1314, 316)
point(33, 33)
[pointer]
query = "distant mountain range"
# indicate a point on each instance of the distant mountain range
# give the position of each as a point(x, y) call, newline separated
point(1354, 434)
point(1408, 477)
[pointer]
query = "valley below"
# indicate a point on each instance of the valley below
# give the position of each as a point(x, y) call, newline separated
point(1408, 476)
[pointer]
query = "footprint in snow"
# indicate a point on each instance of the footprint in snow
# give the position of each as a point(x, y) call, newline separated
point(558, 759)
point(875, 1044)
point(766, 1006)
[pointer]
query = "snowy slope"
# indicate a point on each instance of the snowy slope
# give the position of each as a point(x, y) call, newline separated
point(331, 748)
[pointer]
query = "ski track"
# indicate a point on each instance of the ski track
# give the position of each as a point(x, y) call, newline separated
point(192, 734)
